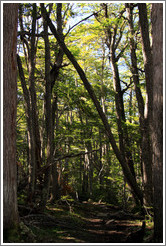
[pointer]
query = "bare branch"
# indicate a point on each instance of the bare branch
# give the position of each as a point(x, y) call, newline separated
point(94, 14)
point(127, 86)
point(75, 155)
point(121, 52)
point(71, 155)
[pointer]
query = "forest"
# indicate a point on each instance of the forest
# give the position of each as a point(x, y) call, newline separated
point(83, 122)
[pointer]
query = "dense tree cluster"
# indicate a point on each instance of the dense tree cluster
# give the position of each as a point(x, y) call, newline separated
point(85, 104)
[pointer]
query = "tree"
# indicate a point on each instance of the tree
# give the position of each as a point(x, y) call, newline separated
point(34, 142)
point(10, 210)
point(143, 108)
point(40, 136)
point(157, 126)
point(90, 118)
point(113, 41)
point(147, 120)
point(130, 178)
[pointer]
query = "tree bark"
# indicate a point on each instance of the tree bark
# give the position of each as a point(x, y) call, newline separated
point(10, 210)
point(157, 126)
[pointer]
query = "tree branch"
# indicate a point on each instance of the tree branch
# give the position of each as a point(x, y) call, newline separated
point(71, 155)
point(86, 18)
point(75, 155)
point(127, 86)
point(121, 53)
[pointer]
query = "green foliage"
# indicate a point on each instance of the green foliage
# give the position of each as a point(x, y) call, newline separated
point(78, 126)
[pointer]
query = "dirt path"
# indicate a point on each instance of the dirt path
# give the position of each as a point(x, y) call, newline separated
point(83, 223)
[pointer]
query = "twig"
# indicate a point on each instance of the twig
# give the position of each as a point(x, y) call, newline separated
point(86, 18)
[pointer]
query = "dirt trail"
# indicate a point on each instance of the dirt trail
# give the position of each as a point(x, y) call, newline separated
point(83, 223)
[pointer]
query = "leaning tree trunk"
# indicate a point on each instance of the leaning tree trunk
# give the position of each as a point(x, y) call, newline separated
point(129, 177)
point(157, 126)
point(10, 211)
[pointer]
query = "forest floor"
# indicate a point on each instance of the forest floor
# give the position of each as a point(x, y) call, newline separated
point(87, 222)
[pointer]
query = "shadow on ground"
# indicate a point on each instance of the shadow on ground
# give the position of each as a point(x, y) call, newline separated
point(83, 223)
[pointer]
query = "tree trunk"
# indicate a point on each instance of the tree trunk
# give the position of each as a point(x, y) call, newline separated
point(124, 143)
point(157, 126)
point(147, 122)
point(121, 119)
point(143, 119)
point(48, 118)
point(34, 141)
point(56, 193)
point(31, 137)
point(10, 210)
point(32, 93)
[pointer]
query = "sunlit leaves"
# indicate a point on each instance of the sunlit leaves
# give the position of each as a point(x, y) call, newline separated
point(77, 122)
